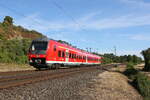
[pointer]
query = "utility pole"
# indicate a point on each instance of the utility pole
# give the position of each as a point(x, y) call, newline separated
point(97, 50)
point(87, 50)
point(90, 49)
point(115, 50)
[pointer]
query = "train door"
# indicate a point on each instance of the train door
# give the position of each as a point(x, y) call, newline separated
point(67, 55)
point(86, 59)
point(55, 49)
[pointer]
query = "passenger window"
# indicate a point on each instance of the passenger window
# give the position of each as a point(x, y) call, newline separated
point(63, 54)
point(75, 56)
point(59, 53)
point(54, 47)
point(69, 55)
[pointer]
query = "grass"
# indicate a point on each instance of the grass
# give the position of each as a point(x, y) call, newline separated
point(4, 67)
point(140, 81)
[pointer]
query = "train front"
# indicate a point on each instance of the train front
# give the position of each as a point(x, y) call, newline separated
point(37, 53)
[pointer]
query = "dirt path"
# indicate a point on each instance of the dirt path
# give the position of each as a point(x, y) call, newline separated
point(110, 86)
point(14, 67)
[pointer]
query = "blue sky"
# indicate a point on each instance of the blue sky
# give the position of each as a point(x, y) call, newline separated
point(97, 24)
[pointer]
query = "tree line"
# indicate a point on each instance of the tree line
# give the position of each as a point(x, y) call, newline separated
point(111, 58)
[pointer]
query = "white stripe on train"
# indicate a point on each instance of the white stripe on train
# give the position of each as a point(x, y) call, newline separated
point(71, 63)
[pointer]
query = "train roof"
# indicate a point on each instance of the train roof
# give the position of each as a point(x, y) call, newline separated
point(45, 39)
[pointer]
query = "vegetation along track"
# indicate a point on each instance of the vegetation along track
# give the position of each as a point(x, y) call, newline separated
point(11, 79)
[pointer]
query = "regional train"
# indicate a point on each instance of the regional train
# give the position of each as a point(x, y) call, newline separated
point(51, 54)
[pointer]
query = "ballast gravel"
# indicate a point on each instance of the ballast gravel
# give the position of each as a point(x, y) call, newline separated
point(66, 88)
point(92, 85)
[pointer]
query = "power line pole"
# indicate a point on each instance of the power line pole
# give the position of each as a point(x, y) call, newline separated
point(115, 50)
point(90, 49)
point(87, 50)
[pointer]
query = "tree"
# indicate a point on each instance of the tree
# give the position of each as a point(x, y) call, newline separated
point(146, 54)
point(8, 20)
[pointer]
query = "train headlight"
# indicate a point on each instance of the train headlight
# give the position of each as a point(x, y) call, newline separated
point(31, 60)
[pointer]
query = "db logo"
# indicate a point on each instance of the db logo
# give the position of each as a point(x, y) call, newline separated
point(37, 55)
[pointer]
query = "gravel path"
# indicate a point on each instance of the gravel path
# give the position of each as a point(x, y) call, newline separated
point(67, 88)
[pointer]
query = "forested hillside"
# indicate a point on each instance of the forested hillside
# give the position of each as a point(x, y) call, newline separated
point(14, 41)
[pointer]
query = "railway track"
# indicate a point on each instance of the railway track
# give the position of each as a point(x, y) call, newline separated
point(12, 79)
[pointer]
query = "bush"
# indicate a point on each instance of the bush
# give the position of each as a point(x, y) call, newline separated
point(130, 65)
point(131, 71)
point(146, 55)
point(142, 83)
point(14, 51)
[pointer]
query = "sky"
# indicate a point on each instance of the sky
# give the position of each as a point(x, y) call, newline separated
point(97, 24)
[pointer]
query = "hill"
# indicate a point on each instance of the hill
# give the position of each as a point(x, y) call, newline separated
point(15, 41)
point(9, 31)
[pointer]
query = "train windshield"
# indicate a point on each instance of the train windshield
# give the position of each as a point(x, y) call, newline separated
point(39, 46)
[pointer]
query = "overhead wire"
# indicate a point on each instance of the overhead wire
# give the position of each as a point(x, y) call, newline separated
point(56, 5)
point(20, 14)
point(61, 8)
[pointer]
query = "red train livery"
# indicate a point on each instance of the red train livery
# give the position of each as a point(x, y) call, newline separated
point(48, 53)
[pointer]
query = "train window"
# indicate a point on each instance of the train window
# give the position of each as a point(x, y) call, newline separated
point(79, 57)
point(59, 53)
point(54, 47)
point(69, 55)
point(75, 56)
point(83, 57)
point(39, 46)
point(63, 54)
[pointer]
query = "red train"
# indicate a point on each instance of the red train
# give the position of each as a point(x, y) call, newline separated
point(48, 53)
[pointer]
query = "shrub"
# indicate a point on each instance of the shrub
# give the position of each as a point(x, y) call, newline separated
point(130, 65)
point(146, 55)
point(14, 51)
point(142, 83)
point(131, 71)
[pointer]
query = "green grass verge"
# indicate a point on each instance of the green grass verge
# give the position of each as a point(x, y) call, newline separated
point(140, 81)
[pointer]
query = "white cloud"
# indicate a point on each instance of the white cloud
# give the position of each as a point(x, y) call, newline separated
point(88, 22)
point(119, 22)
point(141, 37)
point(137, 3)
point(36, 23)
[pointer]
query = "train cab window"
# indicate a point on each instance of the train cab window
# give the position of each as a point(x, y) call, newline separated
point(54, 47)
point(59, 53)
point(63, 54)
